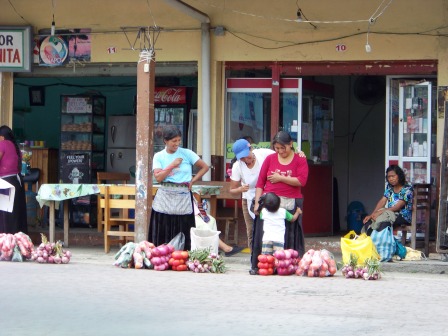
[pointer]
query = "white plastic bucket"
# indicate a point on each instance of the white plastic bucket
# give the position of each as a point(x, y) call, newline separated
point(201, 239)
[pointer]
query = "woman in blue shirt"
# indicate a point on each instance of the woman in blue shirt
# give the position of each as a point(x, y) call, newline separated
point(172, 208)
point(397, 198)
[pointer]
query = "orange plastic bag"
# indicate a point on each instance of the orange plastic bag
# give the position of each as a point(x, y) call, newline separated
point(361, 246)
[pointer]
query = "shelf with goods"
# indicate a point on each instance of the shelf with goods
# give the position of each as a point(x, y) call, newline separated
point(410, 135)
point(82, 149)
point(411, 138)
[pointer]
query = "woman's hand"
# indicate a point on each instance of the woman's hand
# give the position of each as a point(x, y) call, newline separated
point(176, 163)
point(275, 178)
point(366, 219)
point(301, 153)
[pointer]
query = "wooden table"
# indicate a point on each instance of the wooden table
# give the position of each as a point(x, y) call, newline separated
point(53, 194)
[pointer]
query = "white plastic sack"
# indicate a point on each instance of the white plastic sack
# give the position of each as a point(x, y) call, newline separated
point(201, 239)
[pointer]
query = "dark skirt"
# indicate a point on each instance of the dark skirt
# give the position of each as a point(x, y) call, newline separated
point(163, 227)
point(294, 238)
point(15, 221)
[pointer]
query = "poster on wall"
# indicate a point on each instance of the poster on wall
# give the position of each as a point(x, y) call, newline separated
point(247, 112)
point(71, 45)
point(75, 168)
point(53, 51)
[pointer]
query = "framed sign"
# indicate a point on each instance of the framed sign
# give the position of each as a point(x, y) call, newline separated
point(37, 95)
point(15, 49)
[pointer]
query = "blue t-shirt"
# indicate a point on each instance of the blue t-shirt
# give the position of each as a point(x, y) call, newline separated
point(181, 174)
point(406, 194)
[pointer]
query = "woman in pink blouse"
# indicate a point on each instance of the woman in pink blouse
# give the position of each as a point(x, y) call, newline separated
point(283, 173)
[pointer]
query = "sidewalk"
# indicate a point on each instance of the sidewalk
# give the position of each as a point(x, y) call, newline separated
point(241, 262)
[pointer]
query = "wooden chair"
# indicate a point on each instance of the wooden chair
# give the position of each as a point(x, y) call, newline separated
point(111, 178)
point(422, 202)
point(120, 222)
point(225, 194)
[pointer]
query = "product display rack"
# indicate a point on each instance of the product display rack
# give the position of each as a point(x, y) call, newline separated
point(82, 149)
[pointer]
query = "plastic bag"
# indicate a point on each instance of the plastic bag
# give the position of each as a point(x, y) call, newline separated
point(178, 242)
point(202, 239)
point(16, 254)
point(400, 250)
point(360, 245)
point(124, 257)
point(384, 242)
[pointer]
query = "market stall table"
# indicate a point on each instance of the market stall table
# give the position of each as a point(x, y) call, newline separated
point(52, 194)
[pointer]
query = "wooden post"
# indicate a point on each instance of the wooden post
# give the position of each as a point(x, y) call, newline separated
point(144, 144)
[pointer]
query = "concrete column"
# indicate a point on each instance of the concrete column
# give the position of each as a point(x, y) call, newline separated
point(144, 144)
point(6, 98)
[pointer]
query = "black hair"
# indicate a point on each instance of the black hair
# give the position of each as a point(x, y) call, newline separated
point(248, 138)
point(6, 132)
point(283, 138)
point(400, 173)
point(271, 202)
point(170, 132)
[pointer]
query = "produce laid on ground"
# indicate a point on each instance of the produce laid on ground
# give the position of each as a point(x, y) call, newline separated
point(204, 261)
point(266, 264)
point(370, 270)
point(19, 247)
point(51, 253)
point(317, 263)
point(15, 247)
point(145, 255)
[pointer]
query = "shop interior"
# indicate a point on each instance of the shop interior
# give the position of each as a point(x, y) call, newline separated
point(358, 155)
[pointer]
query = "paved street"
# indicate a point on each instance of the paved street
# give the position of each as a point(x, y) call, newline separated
point(89, 296)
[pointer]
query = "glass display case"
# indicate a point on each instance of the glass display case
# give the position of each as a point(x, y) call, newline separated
point(409, 141)
point(82, 148)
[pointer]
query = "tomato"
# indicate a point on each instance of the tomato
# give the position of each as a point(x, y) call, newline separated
point(262, 258)
point(177, 255)
point(263, 265)
point(184, 255)
point(270, 259)
point(270, 271)
point(174, 268)
point(182, 267)
point(262, 271)
point(178, 262)
point(171, 261)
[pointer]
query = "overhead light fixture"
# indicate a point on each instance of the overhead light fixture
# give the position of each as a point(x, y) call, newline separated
point(299, 15)
point(53, 27)
point(368, 47)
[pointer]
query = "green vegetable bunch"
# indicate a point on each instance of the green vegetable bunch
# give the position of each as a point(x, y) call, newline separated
point(205, 261)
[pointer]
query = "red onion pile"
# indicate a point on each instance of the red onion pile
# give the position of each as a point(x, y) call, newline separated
point(286, 261)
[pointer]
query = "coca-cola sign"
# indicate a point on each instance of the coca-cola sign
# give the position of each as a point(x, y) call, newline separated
point(170, 95)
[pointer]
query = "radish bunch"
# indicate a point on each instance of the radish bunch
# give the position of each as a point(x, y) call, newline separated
point(370, 271)
point(204, 261)
point(51, 253)
point(318, 263)
point(160, 256)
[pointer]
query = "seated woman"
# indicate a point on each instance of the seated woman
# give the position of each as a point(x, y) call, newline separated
point(204, 221)
point(395, 207)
